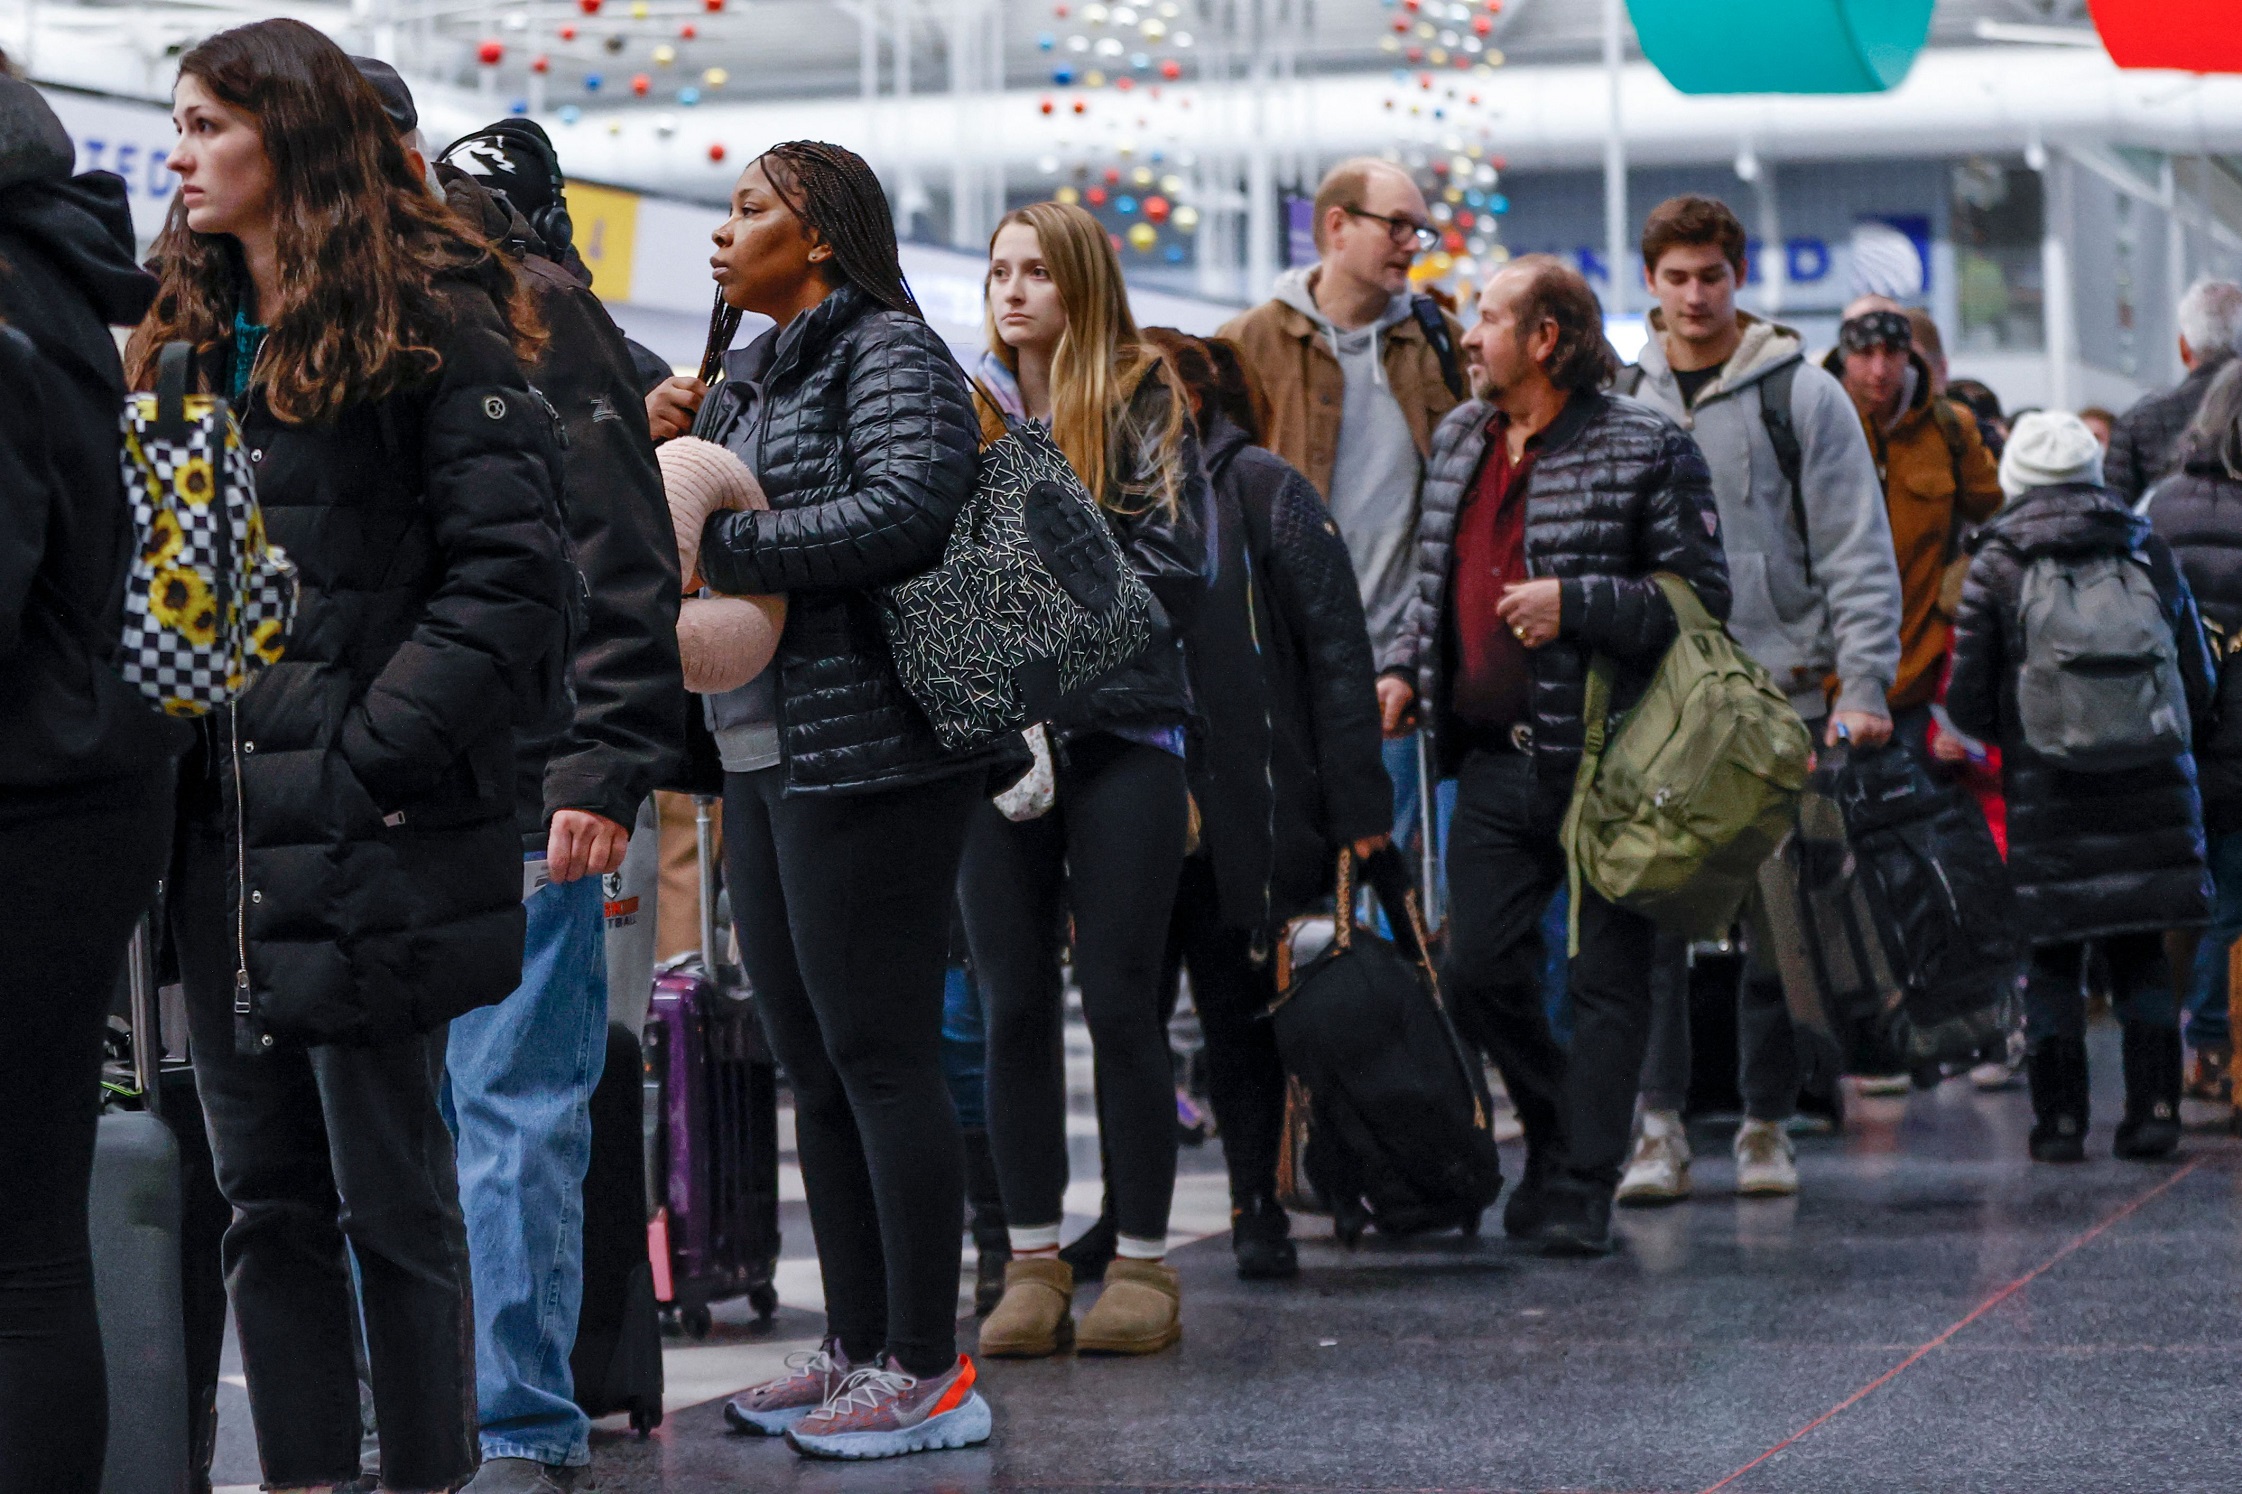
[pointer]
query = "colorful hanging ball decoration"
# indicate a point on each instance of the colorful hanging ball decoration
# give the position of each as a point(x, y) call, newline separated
point(1113, 176)
point(715, 151)
point(688, 96)
point(588, 7)
point(1173, 254)
point(592, 82)
point(665, 125)
point(713, 7)
point(1067, 195)
point(491, 52)
point(1124, 83)
point(518, 106)
point(1171, 69)
point(613, 44)
point(568, 33)
point(1081, 106)
point(1045, 42)
point(1156, 209)
point(665, 55)
point(570, 114)
point(1186, 219)
point(715, 77)
point(1062, 76)
point(1047, 107)
point(641, 84)
point(688, 32)
point(1095, 197)
point(1142, 237)
point(1124, 205)
point(640, 10)
point(541, 64)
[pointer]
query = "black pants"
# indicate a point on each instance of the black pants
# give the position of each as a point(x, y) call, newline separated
point(1245, 1078)
point(843, 909)
point(86, 861)
point(1503, 865)
point(1109, 852)
point(317, 1148)
point(2140, 985)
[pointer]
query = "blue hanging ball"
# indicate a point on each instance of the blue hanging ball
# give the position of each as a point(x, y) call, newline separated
point(1401, 75)
point(1498, 204)
point(1046, 41)
point(1439, 114)
point(1062, 76)
point(591, 82)
point(1175, 254)
point(518, 106)
point(1140, 60)
point(1158, 156)
point(688, 96)
point(570, 114)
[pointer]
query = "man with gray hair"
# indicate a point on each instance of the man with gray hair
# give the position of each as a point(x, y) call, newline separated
point(2141, 443)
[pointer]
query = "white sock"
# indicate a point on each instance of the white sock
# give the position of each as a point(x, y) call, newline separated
point(1131, 1248)
point(1036, 1237)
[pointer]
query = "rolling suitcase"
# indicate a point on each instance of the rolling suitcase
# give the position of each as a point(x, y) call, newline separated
point(134, 1215)
point(713, 1147)
point(617, 1362)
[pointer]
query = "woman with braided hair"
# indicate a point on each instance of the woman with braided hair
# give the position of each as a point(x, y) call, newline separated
point(844, 820)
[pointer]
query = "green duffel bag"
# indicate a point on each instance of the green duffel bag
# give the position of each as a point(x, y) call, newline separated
point(1673, 812)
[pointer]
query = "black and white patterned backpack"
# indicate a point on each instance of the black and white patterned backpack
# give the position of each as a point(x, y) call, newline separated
point(1033, 600)
point(208, 600)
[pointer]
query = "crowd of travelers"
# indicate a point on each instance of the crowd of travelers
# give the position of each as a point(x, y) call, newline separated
point(1390, 555)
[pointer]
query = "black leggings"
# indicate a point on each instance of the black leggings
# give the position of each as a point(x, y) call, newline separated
point(1109, 852)
point(1230, 991)
point(88, 860)
point(843, 909)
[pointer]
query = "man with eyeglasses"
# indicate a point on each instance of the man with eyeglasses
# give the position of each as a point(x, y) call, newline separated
point(1359, 372)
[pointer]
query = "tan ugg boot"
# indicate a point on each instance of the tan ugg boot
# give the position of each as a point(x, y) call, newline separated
point(1140, 1311)
point(1034, 1317)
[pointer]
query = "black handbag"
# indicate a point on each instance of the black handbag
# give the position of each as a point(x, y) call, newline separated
point(1386, 1110)
point(1032, 603)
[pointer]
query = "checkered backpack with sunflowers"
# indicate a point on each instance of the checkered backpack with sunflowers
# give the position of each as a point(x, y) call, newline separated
point(209, 601)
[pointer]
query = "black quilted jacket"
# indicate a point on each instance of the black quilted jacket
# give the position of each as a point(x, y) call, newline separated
point(1280, 661)
point(373, 775)
point(2198, 512)
point(2089, 853)
point(2143, 441)
point(1617, 492)
point(869, 447)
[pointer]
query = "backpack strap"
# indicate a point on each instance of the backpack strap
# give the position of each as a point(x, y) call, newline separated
point(1790, 456)
point(1950, 431)
point(1629, 379)
point(1427, 313)
point(173, 366)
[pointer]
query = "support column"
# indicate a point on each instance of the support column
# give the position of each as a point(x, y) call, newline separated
point(1615, 164)
point(2059, 321)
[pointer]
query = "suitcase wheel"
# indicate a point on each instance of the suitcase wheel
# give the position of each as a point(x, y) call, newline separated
point(764, 1299)
point(1469, 1224)
point(696, 1321)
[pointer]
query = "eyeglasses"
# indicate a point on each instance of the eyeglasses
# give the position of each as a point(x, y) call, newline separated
point(1402, 230)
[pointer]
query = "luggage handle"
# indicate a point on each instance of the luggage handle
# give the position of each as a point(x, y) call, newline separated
point(705, 857)
point(1388, 875)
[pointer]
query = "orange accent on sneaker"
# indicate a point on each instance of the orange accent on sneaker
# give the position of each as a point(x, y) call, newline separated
point(959, 1389)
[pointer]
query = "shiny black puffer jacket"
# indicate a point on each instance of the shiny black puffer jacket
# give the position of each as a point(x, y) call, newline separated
point(364, 785)
point(1617, 492)
point(2198, 512)
point(2090, 854)
point(869, 447)
point(2144, 444)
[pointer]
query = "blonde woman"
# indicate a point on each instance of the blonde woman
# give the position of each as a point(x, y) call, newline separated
point(1065, 352)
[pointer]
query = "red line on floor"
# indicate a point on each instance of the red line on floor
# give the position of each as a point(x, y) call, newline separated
point(2076, 1243)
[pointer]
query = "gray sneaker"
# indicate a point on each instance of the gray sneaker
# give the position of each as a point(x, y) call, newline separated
point(526, 1476)
point(769, 1409)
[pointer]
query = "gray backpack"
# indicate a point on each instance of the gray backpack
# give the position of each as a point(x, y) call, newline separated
point(2100, 689)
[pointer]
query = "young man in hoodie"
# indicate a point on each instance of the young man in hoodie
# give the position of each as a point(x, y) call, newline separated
point(1817, 601)
point(1356, 386)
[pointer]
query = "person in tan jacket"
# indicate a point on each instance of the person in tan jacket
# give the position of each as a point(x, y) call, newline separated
point(1938, 479)
point(1356, 384)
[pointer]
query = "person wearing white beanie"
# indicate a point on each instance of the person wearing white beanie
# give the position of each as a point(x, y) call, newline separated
point(2049, 448)
point(2067, 589)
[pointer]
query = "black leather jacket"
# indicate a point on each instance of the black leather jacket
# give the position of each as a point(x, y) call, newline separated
point(869, 448)
point(1617, 492)
point(2089, 853)
point(1280, 658)
point(2198, 512)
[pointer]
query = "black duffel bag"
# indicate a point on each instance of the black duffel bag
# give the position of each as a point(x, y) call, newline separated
point(1386, 1110)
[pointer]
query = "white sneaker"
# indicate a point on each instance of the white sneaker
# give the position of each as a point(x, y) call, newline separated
point(1998, 1074)
point(1884, 1084)
point(1766, 1165)
point(1658, 1172)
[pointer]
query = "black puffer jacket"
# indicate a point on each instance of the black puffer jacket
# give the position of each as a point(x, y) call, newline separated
point(867, 452)
point(1617, 492)
point(626, 731)
point(2090, 853)
point(1280, 662)
point(375, 761)
point(2144, 442)
point(66, 276)
point(2198, 512)
point(1168, 549)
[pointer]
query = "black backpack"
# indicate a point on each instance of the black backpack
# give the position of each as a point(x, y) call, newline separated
point(1891, 912)
point(1386, 1110)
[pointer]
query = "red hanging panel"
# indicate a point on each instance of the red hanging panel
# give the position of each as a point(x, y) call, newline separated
point(2195, 36)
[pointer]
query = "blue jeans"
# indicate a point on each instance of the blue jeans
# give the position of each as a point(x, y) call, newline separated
point(518, 1096)
point(1400, 756)
point(2207, 1024)
point(965, 1048)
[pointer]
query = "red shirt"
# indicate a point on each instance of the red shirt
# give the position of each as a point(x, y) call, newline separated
point(1493, 679)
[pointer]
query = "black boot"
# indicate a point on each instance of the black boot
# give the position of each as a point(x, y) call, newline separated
point(1093, 1250)
point(992, 1244)
point(1528, 1203)
point(1576, 1220)
point(1261, 1239)
point(2151, 1126)
point(2057, 1072)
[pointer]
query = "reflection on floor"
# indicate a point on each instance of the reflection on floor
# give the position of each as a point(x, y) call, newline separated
point(1932, 1313)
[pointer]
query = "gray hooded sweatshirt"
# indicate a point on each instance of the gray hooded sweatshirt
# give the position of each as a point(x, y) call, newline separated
point(1846, 621)
point(1376, 471)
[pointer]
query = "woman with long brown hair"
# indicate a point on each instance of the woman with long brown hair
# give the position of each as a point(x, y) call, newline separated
point(347, 873)
point(1064, 350)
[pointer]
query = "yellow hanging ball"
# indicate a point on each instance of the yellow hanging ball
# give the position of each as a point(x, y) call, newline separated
point(664, 55)
point(1067, 195)
point(1142, 237)
point(715, 77)
point(1185, 219)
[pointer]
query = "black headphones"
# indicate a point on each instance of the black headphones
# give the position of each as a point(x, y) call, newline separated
point(524, 137)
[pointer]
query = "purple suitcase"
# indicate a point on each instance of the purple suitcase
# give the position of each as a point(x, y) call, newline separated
point(712, 1162)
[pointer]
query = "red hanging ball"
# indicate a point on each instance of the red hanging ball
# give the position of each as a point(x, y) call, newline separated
point(1483, 25)
point(1046, 106)
point(1113, 176)
point(1415, 54)
point(1156, 209)
point(541, 64)
point(640, 83)
point(712, 6)
point(1124, 83)
point(716, 150)
point(1080, 107)
point(568, 33)
point(589, 7)
point(490, 54)
point(1095, 196)
point(688, 32)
